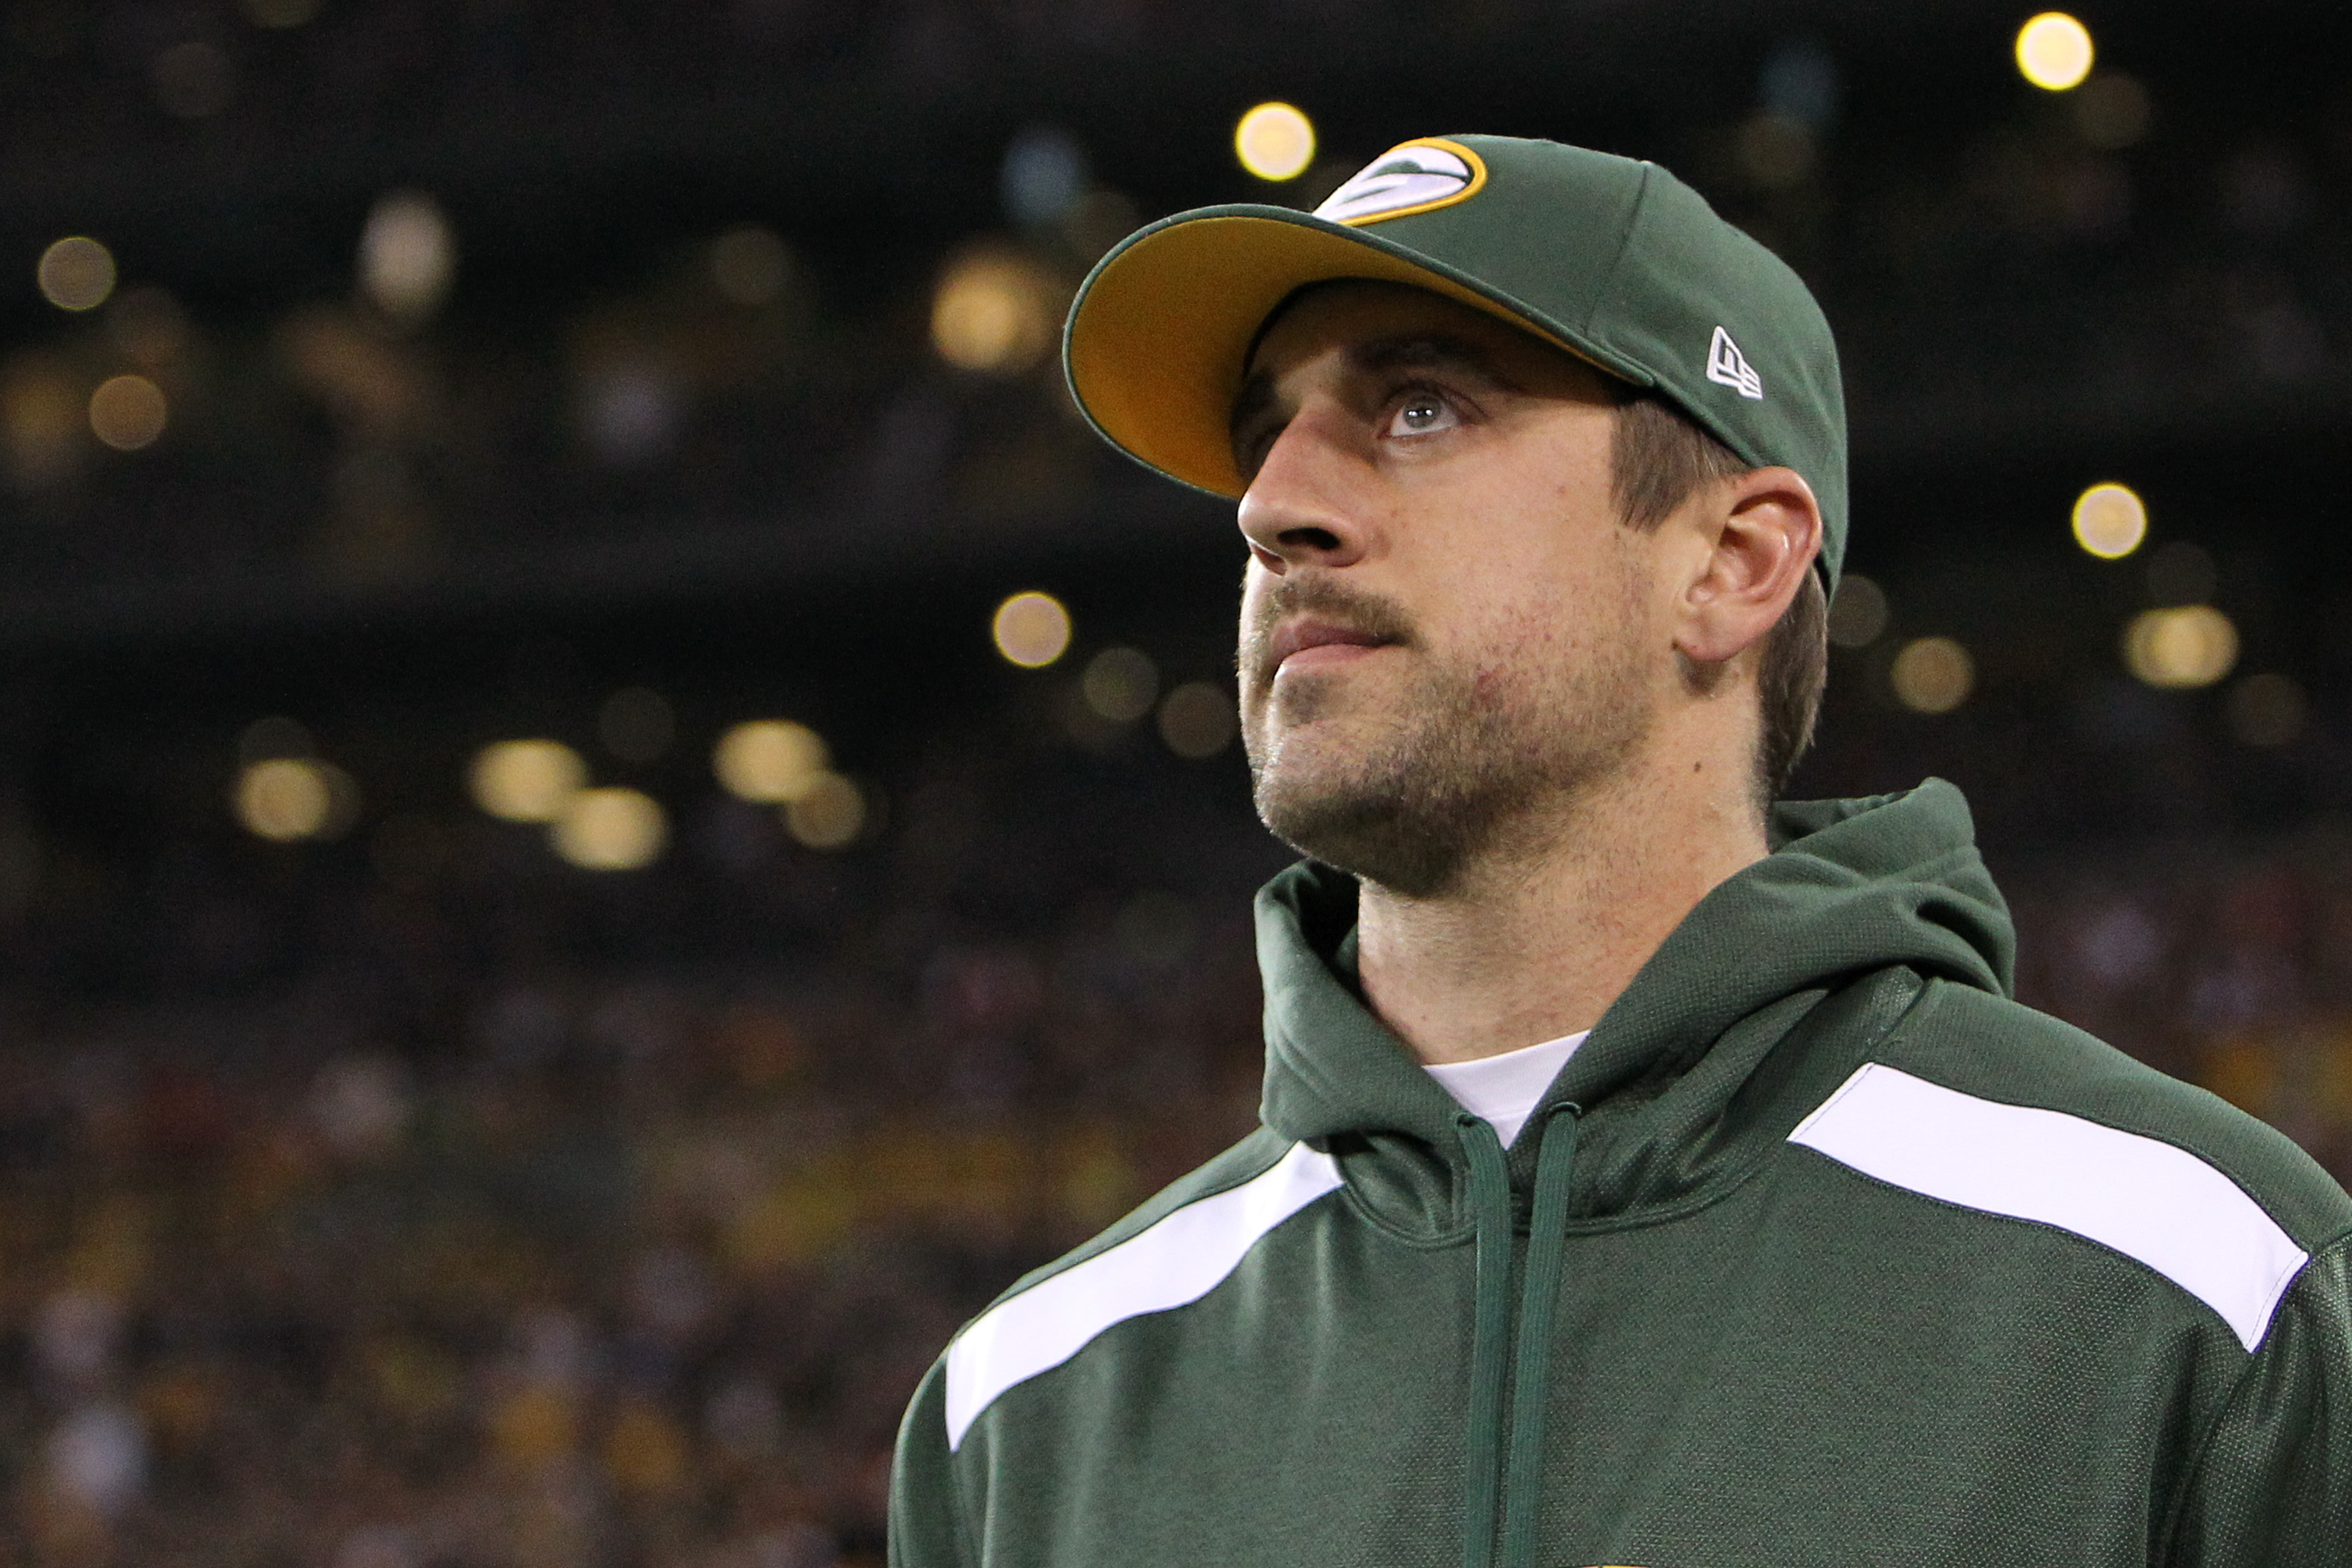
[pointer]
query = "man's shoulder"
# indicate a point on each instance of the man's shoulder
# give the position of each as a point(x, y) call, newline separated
point(1168, 1253)
point(1245, 1162)
point(1990, 1109)
point(2001, 1051)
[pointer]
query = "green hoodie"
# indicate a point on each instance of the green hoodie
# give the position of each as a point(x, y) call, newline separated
point(1821, 1251)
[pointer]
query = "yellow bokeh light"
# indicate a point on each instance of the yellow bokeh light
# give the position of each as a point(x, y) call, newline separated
point(1859, 612)
point(527, 781)
point(610, 830)
point(1031, 629)
point(287, 798)
point(994, 311)
point(128, 412)
point(2110, 520)
point(2112, 111)
point(1121, 684)
point(77, 273)
point(2053, 51)
point(408, 257)
point(1274, 141)
point(769, 760)
point(829, 816)
point(2182, 647)
point(43, 412)
point(1197, 720)
point(1933, 675)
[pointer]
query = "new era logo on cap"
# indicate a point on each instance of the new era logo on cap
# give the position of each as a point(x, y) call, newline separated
point(1725, 364)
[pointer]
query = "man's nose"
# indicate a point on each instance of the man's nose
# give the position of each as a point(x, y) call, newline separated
point(1297, 510)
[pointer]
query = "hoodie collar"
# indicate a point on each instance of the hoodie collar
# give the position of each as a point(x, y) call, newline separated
point(1851, 886)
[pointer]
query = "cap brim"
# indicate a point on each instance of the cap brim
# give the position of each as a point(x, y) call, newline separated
point(1161, 329)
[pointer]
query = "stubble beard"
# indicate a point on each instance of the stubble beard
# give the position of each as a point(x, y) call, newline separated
point(1467, 764)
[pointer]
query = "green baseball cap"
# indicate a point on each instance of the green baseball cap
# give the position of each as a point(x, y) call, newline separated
point(1614, 260)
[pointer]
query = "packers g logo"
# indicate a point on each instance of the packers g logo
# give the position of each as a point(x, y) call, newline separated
point(1412, 177)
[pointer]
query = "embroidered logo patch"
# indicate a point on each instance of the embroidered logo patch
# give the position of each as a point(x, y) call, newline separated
point(1413, 178)
point(1728, 366)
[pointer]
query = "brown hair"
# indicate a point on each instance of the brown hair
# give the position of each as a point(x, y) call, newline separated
point(1658, 456)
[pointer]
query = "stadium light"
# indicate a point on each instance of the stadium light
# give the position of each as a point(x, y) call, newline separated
point(769, 762)
point(1121, 684)
point(1031, 629)
point(2054, 52)
point(1933, 675)
point(284, 799)
point(2110, 520)
point(1274, 141)
point(829, 815)
point(1197, 720)
point(408, 256)
point(128, 412)
point(527, 781)
point(77, 273)
point(610, 829)
point(1859, 612)
point(2180, 648)
point(994, 312)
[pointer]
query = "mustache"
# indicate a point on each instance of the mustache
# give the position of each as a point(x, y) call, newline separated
point(1327, 599)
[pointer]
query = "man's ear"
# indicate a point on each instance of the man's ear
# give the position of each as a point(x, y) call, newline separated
point(1762, 531)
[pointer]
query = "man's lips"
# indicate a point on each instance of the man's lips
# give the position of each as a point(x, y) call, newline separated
point(1308, 642)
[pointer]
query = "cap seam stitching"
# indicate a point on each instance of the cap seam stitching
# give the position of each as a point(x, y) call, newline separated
point(1624, 243)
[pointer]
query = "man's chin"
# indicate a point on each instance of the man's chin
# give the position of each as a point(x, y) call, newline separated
point(1309, 770)
point(1319, 741)
point(1360, 825)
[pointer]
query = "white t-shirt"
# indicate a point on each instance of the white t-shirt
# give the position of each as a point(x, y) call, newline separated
point(1504, 1089)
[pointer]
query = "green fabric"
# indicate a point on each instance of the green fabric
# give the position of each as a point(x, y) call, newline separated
point(1755, 1355)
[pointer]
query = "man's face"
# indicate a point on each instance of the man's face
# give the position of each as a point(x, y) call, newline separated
point(1446, 634)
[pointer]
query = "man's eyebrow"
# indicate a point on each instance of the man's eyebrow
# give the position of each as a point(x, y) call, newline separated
point(1424, 350)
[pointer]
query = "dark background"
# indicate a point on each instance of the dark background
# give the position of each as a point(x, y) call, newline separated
point(406, 1195)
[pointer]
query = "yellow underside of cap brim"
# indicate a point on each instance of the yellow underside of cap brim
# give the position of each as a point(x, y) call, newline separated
point(1157, 344)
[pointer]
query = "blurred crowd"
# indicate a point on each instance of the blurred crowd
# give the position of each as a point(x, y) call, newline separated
point(425, 1252)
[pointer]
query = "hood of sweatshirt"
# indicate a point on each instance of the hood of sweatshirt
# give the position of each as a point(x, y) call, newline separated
point(1749, 1013)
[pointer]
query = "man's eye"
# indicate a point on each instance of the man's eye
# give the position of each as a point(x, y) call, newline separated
point(1422, 413)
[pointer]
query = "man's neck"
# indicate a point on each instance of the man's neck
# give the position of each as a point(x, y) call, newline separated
point(1536, 940)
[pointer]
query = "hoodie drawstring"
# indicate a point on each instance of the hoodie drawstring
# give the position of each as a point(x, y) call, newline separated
point(1490, 1203)
point(1531, 1382)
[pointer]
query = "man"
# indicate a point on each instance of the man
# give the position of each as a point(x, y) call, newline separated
point(1648, 1176)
